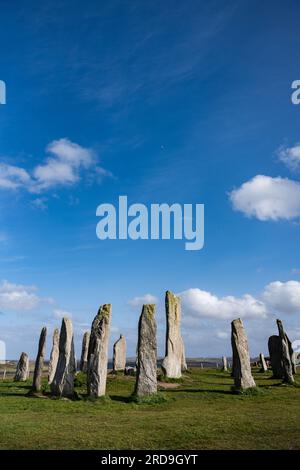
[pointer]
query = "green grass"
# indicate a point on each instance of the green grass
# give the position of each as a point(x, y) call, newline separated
point(202, 413)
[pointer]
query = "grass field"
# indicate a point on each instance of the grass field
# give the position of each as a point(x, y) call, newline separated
point(202, 413)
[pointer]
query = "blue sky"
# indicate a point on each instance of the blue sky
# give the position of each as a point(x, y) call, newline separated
point(183, 102)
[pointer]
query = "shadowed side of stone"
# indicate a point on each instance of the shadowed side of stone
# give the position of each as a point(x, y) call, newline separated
point(39, 363)
point(242, 369)
point(285, 354)
point(146, 379)
point(275, 356)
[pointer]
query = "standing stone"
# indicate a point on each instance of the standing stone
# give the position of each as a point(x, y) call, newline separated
point(184, 366)
point(22, 372)
point(84, 351)
point(285, 355)
point(263, 364)
point(63, 381)
point(224, 362)
point(53, 356)
point(275, 356)
point(98, 352)
point(146, 378)
point(119, 359)
point(242, 368)
point(171, 365)
point(39, 363)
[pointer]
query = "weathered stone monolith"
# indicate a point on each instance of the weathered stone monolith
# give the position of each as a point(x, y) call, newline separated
point(119, 357)
point(184, 366)
point(224, 363)
point(263, 364)
point(53, 356)
point(39, 363)
point(22, 372)
point(275, 356)
point(98, 352)
point(146, 378)
point(63, 381)
point(171, 365)
point(285, 354)
point(242, 369)
point(84, 351)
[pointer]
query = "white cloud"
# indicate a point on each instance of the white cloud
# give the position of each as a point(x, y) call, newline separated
point(13, 177)
point(283, 297)
point(197, 303)
point(222, 334)
point(59, 314)
point(290, 156)
point(140, 301)
point(63, 167)
point(19, 297)
point(268, 198)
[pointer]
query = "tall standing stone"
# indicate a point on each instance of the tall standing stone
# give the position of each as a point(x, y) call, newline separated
point(119, 357)
point(224, 363)
point(39, 363)
point(184, 366)
point(171, 365)
point(242, 368)
point(63, 381)
point(84, 351)
point(22, 372)
point(292, 354)
point(274, 346)
point(263, 364)
point(285, 355)
point(53, 356)
point(146, 378)
point(98, 352)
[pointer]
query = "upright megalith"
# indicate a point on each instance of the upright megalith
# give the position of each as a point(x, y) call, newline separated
point(84, 351)
point(53, 356)
point(119, 357)
point(184, 366)
point(63, 381)
point(285, 354)
point(263, 365)
point(22, 371)
point(98, 352)
point(39, 363)
point(224, 363)
point(242, 369)
point(274, 346)
point(171, 365)
point(146, 378)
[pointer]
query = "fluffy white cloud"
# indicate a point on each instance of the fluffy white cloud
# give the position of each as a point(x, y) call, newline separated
point(290, 156)
point(140, 301)
point(63, 167)
point(18, 297)
point(283, 297)
point(59, 314)
point(197, 303)
point(268, 198)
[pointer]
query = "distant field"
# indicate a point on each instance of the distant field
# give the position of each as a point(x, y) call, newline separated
point(202, 413)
